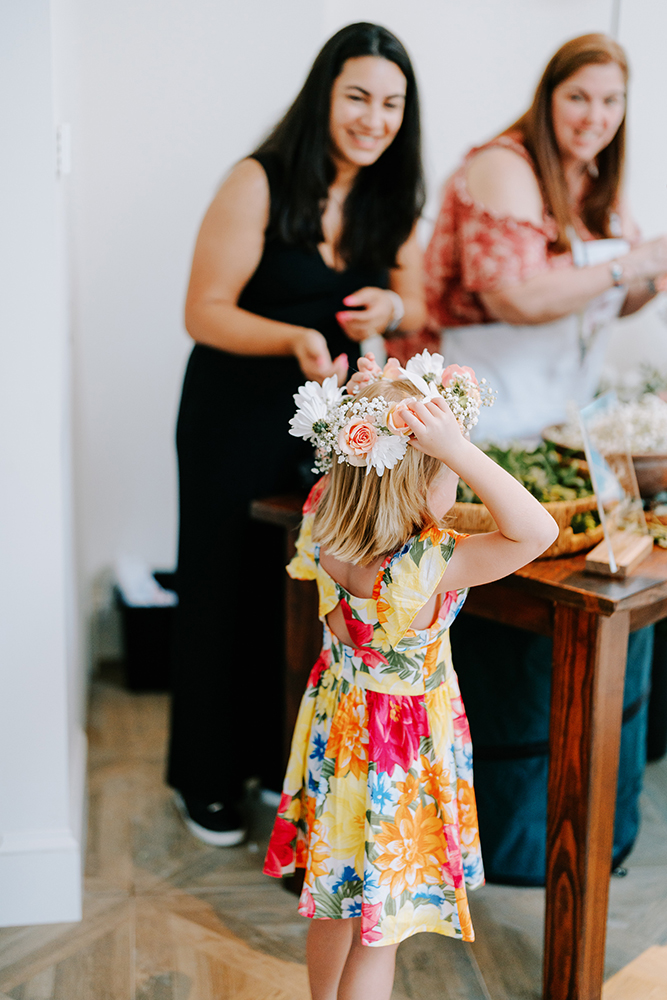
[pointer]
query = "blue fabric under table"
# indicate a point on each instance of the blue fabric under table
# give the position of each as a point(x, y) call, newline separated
point(505, 678)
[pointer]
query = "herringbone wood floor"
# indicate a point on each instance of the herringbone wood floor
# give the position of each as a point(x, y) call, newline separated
point(167, 918)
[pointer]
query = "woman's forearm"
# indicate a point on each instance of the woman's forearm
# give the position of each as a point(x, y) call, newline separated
point(548, 296)
point(415, 316)
point(225, 326)
point(555, 293)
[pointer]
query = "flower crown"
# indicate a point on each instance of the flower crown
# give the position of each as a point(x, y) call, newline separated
point(368, 432)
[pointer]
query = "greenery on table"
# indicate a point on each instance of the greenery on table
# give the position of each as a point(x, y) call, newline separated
point(547, 474)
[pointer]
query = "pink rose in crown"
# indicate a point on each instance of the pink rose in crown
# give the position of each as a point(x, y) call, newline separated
point(357, 438)
point(395, 421)
point(451, 371)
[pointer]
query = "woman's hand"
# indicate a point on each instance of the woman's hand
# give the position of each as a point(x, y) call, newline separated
point(375, 316)
point(311, 351)
point(646, 262)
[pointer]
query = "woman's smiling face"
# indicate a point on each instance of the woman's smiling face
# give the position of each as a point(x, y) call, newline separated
point(587, 109)
point(367, 102)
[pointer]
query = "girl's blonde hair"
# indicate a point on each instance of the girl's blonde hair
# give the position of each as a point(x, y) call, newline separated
point(361, 517)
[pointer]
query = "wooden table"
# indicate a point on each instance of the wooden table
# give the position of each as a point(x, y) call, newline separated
point(589, 619)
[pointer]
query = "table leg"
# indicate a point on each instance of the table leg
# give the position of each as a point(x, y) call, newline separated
point(585, 731)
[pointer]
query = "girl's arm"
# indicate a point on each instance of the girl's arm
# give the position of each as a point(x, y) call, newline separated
point(503, 182)
point(525, 528)
point(229, 248)
point(407, 280)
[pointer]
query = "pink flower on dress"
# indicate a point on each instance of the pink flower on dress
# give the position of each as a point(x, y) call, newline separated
point(306, 903)
point(280, 853)
point(357, 438)
point(313, 498)
point(370, 918)
point(460, 719)
point(396, 724)
point(450, 599)
point(361, 633)
point(321, 664)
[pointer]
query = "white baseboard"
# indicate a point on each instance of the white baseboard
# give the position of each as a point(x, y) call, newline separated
point(40, 879)
point(41, 871)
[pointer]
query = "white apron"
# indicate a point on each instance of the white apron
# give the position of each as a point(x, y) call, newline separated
point(538, 369)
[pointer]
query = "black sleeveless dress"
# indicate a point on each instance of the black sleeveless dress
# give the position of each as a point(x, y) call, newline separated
point(233, 446)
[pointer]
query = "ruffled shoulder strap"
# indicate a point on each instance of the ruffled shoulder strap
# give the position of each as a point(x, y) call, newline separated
point(305, 564)
point(302, 565)
point(410, 579)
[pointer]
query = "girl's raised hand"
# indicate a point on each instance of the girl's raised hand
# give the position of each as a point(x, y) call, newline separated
point(434, 427)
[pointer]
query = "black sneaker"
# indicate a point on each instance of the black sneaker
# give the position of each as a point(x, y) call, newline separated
point(211, 822)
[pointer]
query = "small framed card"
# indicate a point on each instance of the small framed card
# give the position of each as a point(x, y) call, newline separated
point(626, 538)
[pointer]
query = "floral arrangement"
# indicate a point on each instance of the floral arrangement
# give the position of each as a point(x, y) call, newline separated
point(643, 421)
point(371, 432)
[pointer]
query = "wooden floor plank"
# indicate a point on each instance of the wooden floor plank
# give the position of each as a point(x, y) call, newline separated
point(645, 978)
point(101, 917)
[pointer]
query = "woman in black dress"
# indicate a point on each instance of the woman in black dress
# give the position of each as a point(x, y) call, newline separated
point(308, 248)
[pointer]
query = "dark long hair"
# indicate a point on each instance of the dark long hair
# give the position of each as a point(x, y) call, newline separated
point(386, 198)
point(537, 132)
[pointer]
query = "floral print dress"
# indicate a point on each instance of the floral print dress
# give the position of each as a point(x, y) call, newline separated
point(378, 804)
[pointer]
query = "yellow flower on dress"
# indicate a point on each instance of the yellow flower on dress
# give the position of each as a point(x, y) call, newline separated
point(409, 789)
point(410, 920)
point(327, 697)
point(345, 819)
point(296, 766)
point(413, 850)
point(464, 914)
point(348, 737)
point(319, 853)
point(436, 781)
point(439, 708)
point(467, 805)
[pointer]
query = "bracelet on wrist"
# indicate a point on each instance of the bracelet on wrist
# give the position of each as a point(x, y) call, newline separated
point(398, 311)
point(650, 284)
point(616, 271)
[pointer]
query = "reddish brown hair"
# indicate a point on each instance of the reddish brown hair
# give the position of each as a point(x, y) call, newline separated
point(537, 134)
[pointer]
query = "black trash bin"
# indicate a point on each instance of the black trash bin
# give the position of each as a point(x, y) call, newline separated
point(147, 639)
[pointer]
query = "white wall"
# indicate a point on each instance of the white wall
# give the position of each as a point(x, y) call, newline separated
point(42, 748)
point(643, 30)
point(164, 98)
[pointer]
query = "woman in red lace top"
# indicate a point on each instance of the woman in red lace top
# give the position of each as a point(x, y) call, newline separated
point(534, 251)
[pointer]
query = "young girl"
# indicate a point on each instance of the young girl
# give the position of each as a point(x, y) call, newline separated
point(378, 804)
